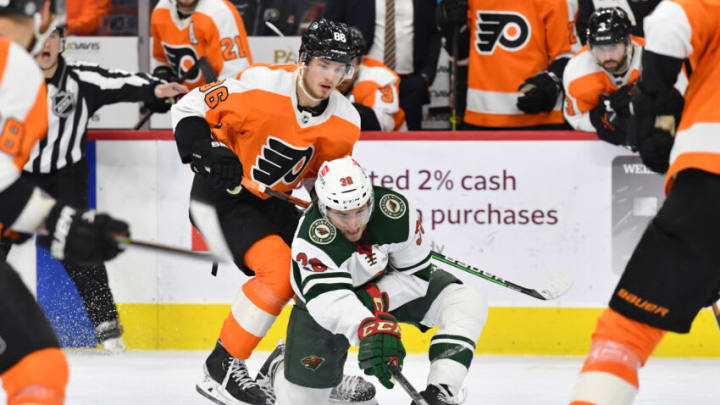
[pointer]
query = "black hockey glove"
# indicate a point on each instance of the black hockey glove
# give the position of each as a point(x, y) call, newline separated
point(539, 93)
point(453, 12)
point(216, 161)
point(165, 73)
point(654, 119)
point(606, 123)
point(159, 105)
point(81, 236)
point(380, 345)
point(620, 100)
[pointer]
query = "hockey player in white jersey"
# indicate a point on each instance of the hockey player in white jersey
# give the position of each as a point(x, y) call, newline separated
point(361, 264)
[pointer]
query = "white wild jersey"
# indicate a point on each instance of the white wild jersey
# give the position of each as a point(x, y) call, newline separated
point(393, 253)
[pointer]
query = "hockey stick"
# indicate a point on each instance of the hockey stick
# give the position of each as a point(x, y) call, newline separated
point(127, 242)
point(716, 312)
point(261, 188)
point(405, 384)
point(274, 29)
point(557, 287)
point(453, 78)
point(201, 64)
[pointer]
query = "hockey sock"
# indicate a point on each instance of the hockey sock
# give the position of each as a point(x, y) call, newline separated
point(261, 298)
point(39, 378)
point(460, 313)
point(620, 347)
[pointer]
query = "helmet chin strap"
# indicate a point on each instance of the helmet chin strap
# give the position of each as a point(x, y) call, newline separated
point(301, 84)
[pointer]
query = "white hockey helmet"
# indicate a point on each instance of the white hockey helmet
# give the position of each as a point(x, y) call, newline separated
point(342, 184)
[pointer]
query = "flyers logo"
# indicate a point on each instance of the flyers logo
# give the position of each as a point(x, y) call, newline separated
point(281, 161)
point(508, 29)
point(181, 59)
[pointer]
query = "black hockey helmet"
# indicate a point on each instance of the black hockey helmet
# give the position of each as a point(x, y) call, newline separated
point(608, 26)
point(328, 40)
point(26, 8)
point(358, 42)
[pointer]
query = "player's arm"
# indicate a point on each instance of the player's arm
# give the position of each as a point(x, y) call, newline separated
point(657, 105)
point(227, 44)
point(326, 290)
point(106, 86)
point(386, 106)
point(208, 154)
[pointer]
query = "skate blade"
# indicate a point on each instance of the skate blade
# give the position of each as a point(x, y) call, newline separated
point(212, 391)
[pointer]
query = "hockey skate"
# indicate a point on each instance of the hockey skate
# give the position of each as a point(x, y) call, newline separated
point(227, 381)
point(352, 390)
point(438, 395)
point(109, 335)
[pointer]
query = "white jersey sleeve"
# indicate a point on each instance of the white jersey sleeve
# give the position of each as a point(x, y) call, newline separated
point(327, 291)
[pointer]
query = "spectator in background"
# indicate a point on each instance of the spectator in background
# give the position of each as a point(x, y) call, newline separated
point(373, 89)
point(409, 43)
point(183, 31)
point(636, 10)
point(518, 51)
point(83, 17)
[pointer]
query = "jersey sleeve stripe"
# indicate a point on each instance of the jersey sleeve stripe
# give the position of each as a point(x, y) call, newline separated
point(317, 276)
point(415, 267)
point(319, 289)
point(308, 285)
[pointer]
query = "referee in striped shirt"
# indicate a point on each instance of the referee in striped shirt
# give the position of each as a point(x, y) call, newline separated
point(57, 164)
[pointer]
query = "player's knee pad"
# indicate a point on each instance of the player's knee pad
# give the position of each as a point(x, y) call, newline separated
point(461, 309)
point(620, 347)
point(639, 337)
point(460, 312)
point(39, 378)
point(270, 259)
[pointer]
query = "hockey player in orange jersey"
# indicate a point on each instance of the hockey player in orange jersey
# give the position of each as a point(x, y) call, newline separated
point(33, 369)
point(274, 125)
point(183, 31)
point(673, 271)
point(598, 80)
point(518, 51)
point(374, 90)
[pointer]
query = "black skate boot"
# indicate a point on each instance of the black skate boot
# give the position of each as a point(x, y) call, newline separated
point(109, 335)
point(227, 381)
point(438, 395)
point(266, 376)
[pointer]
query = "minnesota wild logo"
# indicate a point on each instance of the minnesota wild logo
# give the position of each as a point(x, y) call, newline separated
point(312, 362)
point(322, 231)
point(392, 206)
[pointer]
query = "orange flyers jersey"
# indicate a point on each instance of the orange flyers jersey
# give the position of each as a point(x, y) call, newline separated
point(691, 29)
point(256, 116)
point(23, 110)
point(215, 30)
point(585, 81)
point(377, 87)
point(510, 41)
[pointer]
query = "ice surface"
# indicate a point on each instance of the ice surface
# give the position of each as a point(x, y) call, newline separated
point(168, 377)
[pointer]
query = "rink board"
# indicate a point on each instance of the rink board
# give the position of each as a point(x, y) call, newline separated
point(516, 204)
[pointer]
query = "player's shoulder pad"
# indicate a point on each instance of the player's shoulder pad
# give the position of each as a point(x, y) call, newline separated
point(390, 221)
point(343, 108)
point(581, 64)
point(276, 79)
point(21, 77)
point(375, 71)
point(318, 232)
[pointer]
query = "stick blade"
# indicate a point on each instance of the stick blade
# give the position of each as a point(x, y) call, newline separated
point(560, 284)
